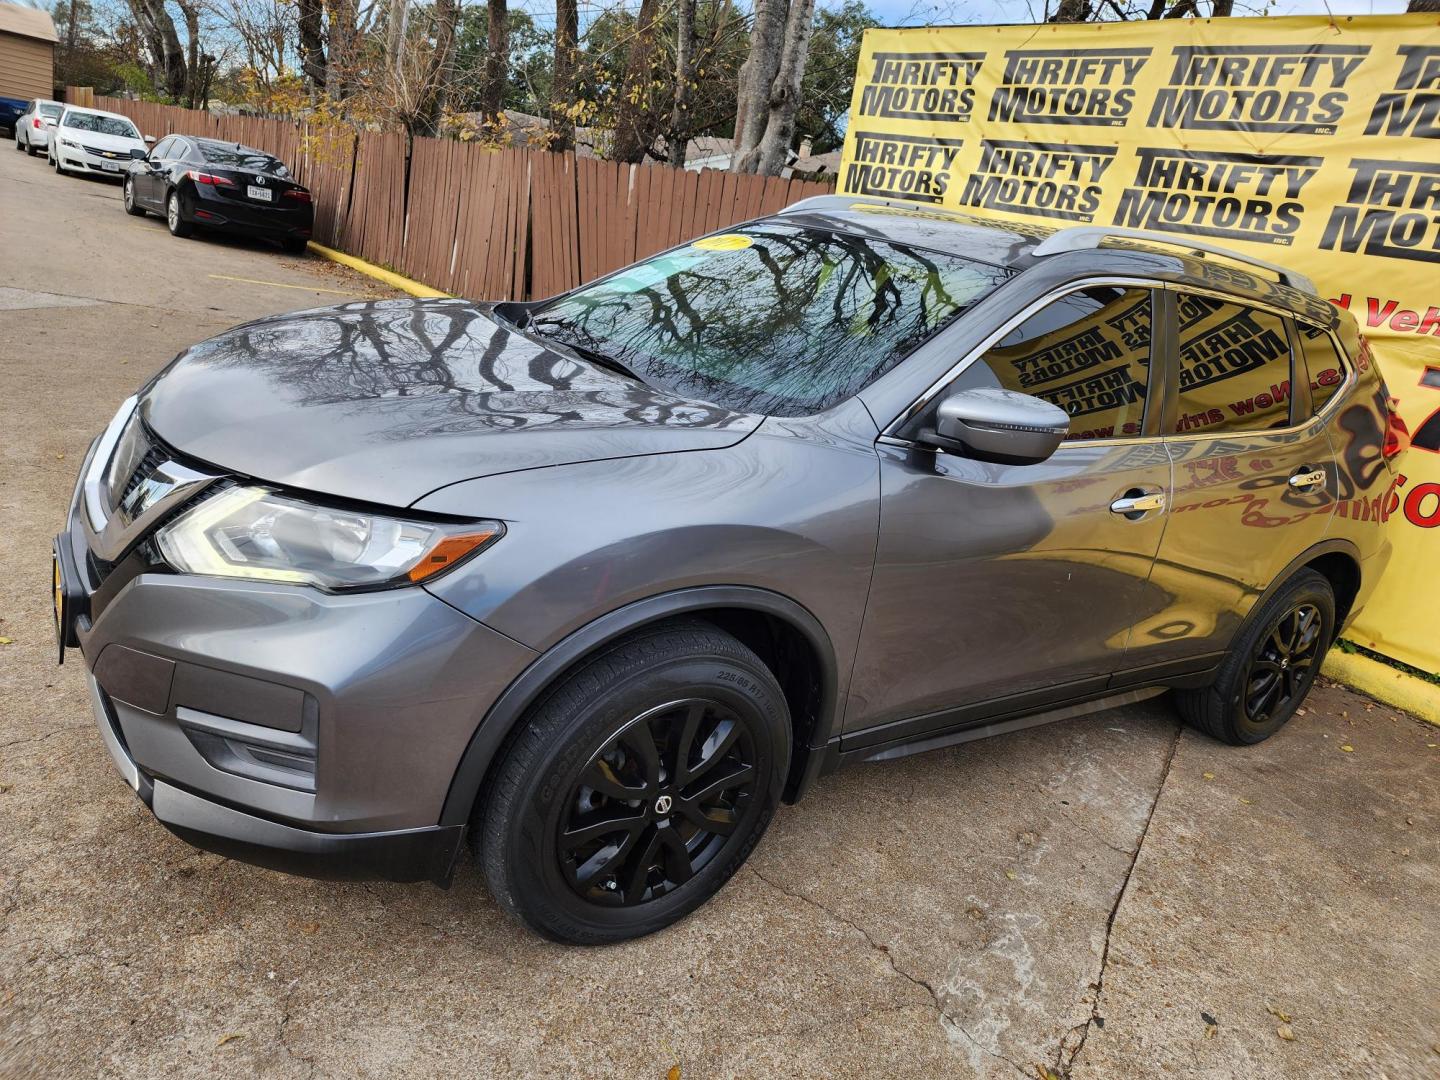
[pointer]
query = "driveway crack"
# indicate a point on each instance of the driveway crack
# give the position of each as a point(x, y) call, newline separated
point(1073, 1041)
point(884, 950)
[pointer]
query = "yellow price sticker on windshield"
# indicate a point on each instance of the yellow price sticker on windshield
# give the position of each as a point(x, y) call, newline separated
point(724, 242)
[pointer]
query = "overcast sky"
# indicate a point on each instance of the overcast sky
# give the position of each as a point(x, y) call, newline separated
point(922, 12)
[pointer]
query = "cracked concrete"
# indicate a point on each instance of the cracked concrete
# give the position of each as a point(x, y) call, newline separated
point(1108, 897)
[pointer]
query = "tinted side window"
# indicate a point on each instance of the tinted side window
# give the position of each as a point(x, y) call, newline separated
point(1088, 352)
point(1234, 367)
point(1325, 367)
point(161, 152)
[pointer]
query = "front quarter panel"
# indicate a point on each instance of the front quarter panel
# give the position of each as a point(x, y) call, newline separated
point(792, 509)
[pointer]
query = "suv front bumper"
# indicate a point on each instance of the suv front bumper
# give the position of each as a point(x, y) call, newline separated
point(313, 733)
point(425, 854)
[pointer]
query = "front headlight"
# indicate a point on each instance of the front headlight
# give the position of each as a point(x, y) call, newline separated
point(253, 532)
point(69, 142)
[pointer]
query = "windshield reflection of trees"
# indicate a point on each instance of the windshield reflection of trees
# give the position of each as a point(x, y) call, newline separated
point(453, 368)
point(790, 325)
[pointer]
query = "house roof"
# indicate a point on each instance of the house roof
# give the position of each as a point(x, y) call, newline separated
point(27, 22)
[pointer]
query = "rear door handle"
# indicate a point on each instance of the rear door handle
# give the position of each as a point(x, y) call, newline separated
point(1306, 478)
point(1138, 502)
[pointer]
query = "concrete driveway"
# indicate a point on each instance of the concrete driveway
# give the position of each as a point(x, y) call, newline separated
point(1108, 897)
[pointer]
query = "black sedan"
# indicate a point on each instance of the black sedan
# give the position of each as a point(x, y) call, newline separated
point(220, 185)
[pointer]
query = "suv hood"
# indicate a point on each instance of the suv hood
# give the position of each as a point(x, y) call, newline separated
point(387, 401)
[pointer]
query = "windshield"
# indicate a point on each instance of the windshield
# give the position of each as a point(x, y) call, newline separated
point(101, 125)
point(50, 110)
point(241, 157)
point(769, 318)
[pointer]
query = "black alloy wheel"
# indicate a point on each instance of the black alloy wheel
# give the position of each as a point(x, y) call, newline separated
point(636, 786)
point(654, 805)
point(1270, 666)
point(1281, 666)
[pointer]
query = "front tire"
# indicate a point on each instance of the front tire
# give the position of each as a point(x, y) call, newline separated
point(132, 208)
point(175, 218)
point(294, 247)
point(637, 787)
point(1270, 668)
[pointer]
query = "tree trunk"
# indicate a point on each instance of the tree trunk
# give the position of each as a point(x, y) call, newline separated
point(312, 42)
point(757, 76)
point(497, 59)
point(1072, 11)
point(679, 133)
point(1423, 7)
point(440, 72)
point(635, 128)
point(394, 32)
point(151, 37)
point(172, 54)
point(770, 156)
point(191, 14)
point(562, 87)
point(340, 70)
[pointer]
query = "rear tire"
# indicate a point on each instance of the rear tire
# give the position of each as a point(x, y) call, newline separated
point(174, 217)
point(678, 736)
point(294, 247)
point(30, 148)
point(1271, 666)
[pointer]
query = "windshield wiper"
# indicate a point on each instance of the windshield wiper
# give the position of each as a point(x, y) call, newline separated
point(584, 351)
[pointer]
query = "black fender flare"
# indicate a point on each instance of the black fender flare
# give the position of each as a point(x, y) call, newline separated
point(501, 718)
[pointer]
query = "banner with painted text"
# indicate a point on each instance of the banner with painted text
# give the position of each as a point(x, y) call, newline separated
point(1312, 142)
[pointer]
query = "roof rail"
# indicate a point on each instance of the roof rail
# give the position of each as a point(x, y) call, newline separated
point(1086, 237)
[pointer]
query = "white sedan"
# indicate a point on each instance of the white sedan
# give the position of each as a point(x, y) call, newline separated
point(91, 141)
point(32, 130)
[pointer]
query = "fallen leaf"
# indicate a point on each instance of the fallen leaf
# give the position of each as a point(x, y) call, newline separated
point(1284, 1018)
point(1010, 874)
point(1247, 802)
point(1348, 748)
point(229, 1038)
point(1285, 1033)
point(7, 641)
point(674, 1073)
point(1208, 775)
point(1299, 712)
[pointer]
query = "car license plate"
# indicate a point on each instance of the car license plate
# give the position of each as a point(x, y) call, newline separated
point(264, 194)
point(57, 599)
point(110, 166)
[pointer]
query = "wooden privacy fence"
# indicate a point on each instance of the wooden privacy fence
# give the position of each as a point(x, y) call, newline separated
point(479, 222)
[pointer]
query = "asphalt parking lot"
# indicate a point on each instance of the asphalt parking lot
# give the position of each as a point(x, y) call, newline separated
point(1108, 897)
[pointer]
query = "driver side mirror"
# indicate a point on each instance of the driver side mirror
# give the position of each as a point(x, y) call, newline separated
point(1000, 426)
point(137, 155)
point(149, 140)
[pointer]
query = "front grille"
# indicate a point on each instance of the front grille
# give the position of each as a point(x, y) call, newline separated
point(112, 154)
point(153, 459)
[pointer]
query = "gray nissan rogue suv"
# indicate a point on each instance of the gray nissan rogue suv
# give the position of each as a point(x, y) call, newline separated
point(597, 581)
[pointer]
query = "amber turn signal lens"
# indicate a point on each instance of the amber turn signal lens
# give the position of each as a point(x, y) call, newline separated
point(448, 552)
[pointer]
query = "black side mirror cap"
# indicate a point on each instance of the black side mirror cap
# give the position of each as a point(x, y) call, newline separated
point(137, 155)
point(1001, 426)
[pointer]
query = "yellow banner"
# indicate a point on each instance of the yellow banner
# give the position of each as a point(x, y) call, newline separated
point(1310, 141)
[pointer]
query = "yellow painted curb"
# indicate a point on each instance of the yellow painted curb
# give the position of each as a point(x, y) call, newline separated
point(1384, 683)
point(379, 273)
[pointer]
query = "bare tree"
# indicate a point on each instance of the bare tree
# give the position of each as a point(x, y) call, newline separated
point(679, 133)
point(158, 30)
point(1423, 7)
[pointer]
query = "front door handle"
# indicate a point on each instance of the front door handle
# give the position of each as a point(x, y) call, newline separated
point(1305, 478)
point(1135, 503)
